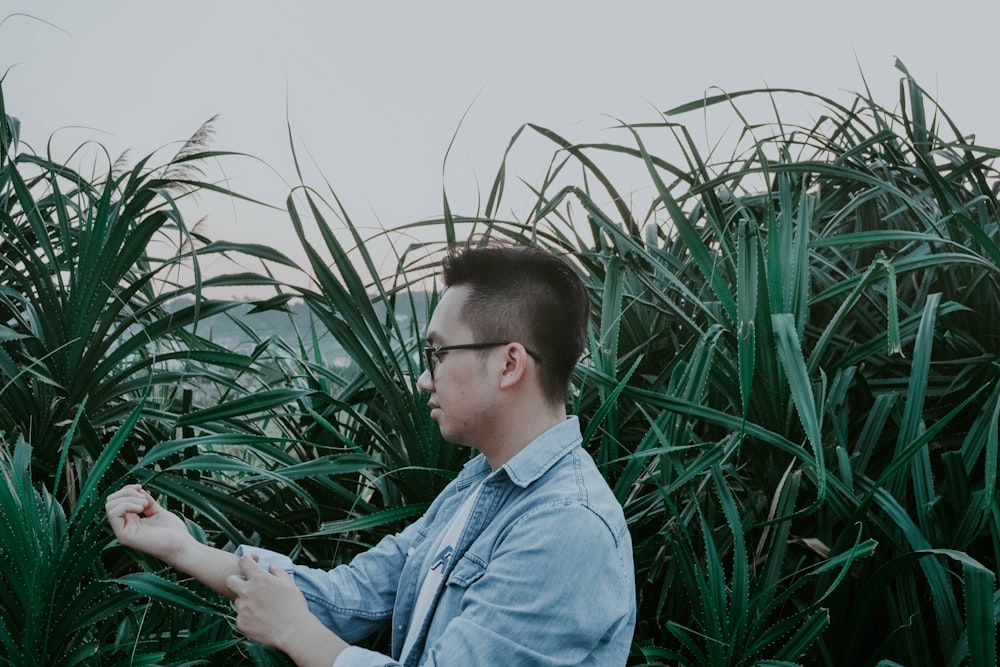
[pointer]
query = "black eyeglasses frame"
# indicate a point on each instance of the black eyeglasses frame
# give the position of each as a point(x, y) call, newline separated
point(431, 352)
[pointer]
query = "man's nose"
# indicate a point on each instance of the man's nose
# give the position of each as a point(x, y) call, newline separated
point(425, 382)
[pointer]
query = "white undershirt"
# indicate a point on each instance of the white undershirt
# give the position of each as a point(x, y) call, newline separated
point(443, 550)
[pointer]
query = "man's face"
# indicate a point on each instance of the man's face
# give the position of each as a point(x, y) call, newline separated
point(460, 392)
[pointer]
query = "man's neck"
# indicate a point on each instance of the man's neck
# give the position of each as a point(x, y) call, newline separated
point(521, 434)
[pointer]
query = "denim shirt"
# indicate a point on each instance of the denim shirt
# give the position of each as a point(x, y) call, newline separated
point(542, 574)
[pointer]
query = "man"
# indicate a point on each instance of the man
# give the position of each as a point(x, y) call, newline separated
point(524, 559)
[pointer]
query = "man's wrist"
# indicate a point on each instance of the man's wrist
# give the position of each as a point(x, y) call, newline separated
point(184, 555)
point(312, 644)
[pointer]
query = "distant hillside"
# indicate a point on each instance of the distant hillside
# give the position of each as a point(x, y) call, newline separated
point(298, 324)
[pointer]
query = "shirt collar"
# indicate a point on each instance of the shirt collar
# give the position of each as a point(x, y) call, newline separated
point(534, 460)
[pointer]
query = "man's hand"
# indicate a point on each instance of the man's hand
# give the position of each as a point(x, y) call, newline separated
point(268, 605)
point(141, 523)
point(272, 611)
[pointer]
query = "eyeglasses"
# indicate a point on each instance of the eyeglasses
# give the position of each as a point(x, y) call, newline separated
point(432, 353)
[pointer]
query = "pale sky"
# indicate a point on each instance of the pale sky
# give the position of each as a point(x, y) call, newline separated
point(374, 91)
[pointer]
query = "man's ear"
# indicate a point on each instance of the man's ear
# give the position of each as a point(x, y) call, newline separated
point(515, 365)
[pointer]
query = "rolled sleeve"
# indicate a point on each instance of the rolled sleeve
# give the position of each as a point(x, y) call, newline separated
point(355, 656)
point(266, 558)
point(353, 600)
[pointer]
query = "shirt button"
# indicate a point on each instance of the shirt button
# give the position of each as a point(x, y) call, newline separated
point(410, 551)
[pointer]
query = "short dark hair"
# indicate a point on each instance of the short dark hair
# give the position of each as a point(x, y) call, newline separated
point(528, 295)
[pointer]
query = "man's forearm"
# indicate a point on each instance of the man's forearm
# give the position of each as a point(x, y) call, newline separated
point(313, 645)
point(207, 564)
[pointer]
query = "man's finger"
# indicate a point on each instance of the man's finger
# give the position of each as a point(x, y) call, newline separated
point(122, 506)
point(249, 566)
point(237, 584)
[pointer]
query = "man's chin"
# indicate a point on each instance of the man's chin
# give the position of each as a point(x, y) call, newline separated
point(453, 438)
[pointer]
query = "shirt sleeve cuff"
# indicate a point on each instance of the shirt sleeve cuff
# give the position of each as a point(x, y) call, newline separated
point(266, 557)
point(355, 656)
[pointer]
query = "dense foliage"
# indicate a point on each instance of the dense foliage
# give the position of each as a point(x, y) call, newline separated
point(792, 387)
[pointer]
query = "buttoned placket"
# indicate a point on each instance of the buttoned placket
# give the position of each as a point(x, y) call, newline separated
point(484, 507)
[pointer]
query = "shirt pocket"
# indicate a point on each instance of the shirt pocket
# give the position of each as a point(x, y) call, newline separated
point(467, 571)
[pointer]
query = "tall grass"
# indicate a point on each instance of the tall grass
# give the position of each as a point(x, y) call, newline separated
point(101, 381)
point(816, 323)
point(791, 383)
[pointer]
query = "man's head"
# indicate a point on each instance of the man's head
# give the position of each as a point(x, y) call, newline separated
point(526, 295)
